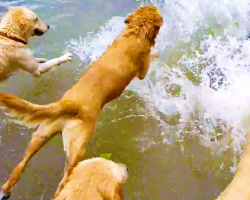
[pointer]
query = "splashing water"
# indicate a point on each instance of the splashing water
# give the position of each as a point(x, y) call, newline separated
point(202, 77)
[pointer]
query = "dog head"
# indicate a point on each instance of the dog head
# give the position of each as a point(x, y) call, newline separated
point(22, 23)
point(96, 178)
point(146, 21)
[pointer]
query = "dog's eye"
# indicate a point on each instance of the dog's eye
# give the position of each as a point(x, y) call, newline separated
point(36, 18)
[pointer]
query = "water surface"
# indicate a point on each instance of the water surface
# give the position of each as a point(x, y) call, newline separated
point(164, 136)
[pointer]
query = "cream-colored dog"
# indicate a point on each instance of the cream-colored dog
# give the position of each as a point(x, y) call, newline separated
point(95, 179)
point(239, 188)
point(16, 27)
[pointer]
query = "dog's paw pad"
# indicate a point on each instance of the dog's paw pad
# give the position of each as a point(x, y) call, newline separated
point(4, 196)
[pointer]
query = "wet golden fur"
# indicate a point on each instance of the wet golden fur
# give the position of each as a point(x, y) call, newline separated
point(239, 188)
point(76, 113)
point(16, 27)
point(95, 179)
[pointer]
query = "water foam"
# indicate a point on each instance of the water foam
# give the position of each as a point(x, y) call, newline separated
point(209, 38)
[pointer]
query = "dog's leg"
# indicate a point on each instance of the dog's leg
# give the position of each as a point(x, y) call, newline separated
point(41, 60)
point(145, 64)
point(44, 133)
point(144, 68)
point(76, 135)
point(45, 67)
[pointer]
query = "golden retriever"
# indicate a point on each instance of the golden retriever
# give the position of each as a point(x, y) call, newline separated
point(239, 188)
point(16, 27)
point(76, 113)
point(95, 179)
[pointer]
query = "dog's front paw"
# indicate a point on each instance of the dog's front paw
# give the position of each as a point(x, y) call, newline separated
point(66, 57)
point(154, 54)
point(4, 196)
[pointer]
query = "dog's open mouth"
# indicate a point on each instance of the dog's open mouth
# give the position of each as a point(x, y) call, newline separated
point(38, 32)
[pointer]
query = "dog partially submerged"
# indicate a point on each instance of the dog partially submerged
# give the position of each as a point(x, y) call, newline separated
point(239, 187)
point(76, 113)
point(95, 179)
point(16, 27)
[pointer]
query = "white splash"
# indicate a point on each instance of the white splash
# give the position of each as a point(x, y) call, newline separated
point(210, 108)
point(92, 46)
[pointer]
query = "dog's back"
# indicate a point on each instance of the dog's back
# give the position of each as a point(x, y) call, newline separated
point(107, 77)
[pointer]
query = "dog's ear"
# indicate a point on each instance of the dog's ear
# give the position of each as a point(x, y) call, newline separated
point(145, 30)
point(118, 194)
point(112, 191)
point(19, 19)
point(23, 24)
point(149, 32)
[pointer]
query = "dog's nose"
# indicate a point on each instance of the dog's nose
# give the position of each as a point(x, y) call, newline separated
point(127, 169)
point(48, 27)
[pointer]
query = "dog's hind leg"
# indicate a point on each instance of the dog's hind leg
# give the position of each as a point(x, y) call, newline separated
point(45, 132)
point(76, 136)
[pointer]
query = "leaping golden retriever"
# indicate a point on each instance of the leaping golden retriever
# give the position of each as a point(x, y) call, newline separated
point(16, 27)
point(95, 179)
point(76, 113)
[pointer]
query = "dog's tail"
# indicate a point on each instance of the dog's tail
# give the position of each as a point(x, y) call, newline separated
point(34, 113)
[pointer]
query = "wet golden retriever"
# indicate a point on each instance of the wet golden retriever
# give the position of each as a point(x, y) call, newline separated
point(95, 179)
point(76, 113)
point(239, 188)
point(16, 27)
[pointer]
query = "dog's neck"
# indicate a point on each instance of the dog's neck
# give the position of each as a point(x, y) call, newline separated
point(13, 38)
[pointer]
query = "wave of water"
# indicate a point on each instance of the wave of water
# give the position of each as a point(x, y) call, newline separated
point(202, 77)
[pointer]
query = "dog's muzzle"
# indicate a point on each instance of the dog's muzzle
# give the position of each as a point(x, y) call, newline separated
point(4, 196)
point(38, 32)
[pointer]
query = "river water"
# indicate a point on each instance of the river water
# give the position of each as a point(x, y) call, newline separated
point(179, 131)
